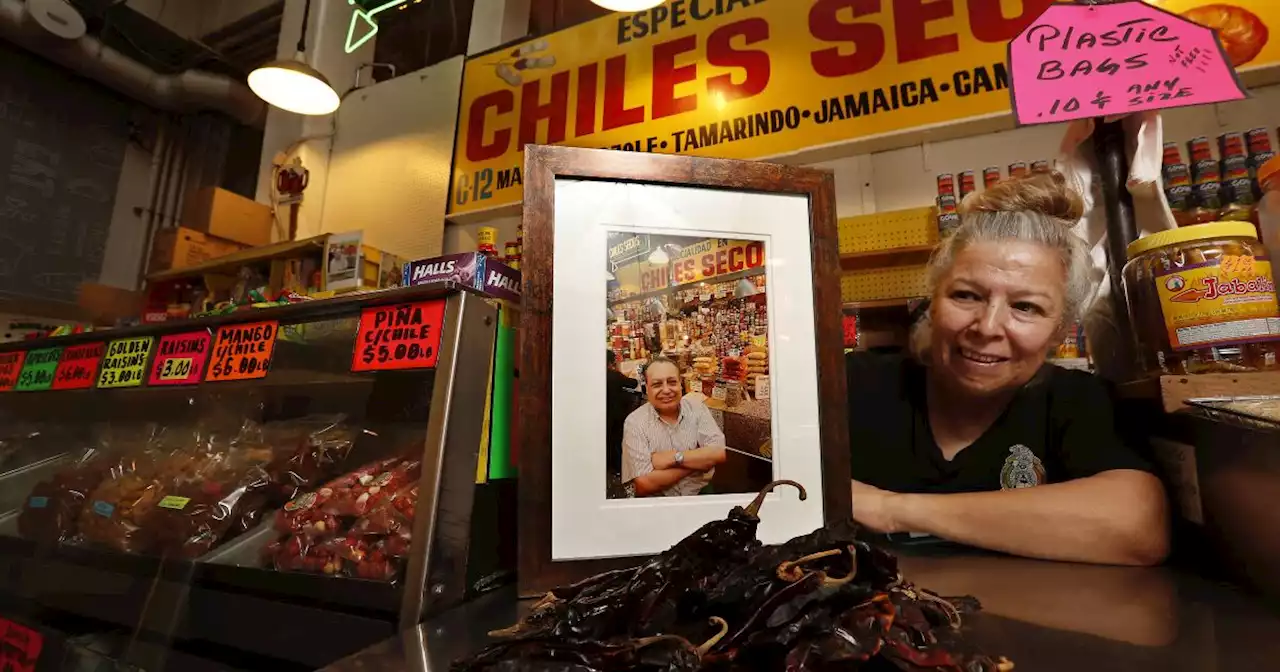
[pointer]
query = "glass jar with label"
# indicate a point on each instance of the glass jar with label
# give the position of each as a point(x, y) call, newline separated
point(1269, 206)
point(1202, 299)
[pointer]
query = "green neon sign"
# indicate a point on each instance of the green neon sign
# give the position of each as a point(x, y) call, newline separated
point(370, 27)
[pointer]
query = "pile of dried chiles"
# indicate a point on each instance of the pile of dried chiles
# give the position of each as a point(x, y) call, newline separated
point(720, 600)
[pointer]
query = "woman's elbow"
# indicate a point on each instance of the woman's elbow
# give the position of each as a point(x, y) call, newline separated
point(1145, 535)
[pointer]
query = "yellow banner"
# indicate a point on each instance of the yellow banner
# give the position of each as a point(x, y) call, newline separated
point(701, 261)
point(756, 78)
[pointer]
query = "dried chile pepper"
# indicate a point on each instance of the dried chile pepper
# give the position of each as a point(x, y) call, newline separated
point(659, 653)
point(653, 597)
point(821, 601)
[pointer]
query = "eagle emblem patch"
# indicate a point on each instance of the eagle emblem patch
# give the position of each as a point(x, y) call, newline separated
point(1022, 469)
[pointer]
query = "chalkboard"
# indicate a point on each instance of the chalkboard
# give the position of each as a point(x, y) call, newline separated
point(62, 143)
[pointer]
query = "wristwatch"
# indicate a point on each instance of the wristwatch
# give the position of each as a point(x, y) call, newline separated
point(679, 457)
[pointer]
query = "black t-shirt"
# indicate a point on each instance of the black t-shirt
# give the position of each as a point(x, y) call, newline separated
point(1058, 428)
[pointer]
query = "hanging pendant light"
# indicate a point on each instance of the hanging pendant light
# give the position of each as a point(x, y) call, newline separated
point(293, 85)
point(628, 5)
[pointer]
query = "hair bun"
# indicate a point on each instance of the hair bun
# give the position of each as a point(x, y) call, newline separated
point(1044, 193)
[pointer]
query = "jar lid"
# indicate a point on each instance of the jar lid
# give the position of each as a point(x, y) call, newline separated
point(1187, 234)
point(1269, 169)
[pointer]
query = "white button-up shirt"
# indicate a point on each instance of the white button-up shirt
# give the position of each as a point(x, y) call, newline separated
point(645, 433)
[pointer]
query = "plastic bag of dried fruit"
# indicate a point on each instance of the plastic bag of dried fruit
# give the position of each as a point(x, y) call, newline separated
point(52, 509)
point(222, 500)
point(305, 453)
point(356, 497)
point(393, 515)
point(110, 512)
point(117, 509)
point(361, 557)
point(298, 553)
point(310, 514)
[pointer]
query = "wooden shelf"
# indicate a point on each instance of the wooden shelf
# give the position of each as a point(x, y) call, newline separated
point(231, 263)
point(887, 258)
point(1172, 391)
point(882, 303)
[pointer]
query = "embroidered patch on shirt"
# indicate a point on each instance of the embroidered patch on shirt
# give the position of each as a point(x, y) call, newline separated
point(1022, 469)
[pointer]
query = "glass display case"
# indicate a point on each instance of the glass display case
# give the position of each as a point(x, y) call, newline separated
point(269, 488)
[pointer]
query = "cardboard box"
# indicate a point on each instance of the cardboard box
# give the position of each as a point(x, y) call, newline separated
point(182, 247)
point(472, 269)
point(230, 216)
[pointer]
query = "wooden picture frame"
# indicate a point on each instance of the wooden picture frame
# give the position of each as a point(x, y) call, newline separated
point(544, 165)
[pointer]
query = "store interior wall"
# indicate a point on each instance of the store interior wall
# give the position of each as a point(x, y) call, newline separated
point(389, 173)
point(392, 143)
point(288, 135)
point(906, 178)
point(66, 151)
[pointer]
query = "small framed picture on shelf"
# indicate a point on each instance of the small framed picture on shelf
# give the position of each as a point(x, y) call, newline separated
point(711, 289)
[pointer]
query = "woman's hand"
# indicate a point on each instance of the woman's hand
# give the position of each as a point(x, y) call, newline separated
point(875, 508)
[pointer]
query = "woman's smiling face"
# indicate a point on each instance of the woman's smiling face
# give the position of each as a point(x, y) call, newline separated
point(995, 315)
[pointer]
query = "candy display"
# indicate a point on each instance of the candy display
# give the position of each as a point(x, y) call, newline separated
point(357, 497)
point(825, 600)
point(357, 525)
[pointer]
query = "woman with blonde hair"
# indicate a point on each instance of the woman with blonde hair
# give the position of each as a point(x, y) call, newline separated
point(974, 437)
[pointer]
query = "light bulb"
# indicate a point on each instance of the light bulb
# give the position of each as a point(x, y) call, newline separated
point(628, 5)
point(294, 86)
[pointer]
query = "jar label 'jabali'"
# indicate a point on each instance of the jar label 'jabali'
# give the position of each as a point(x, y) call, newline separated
point(1231, 300)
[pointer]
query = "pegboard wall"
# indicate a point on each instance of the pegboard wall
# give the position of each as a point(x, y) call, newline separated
point(874, 284)
point(888, 230)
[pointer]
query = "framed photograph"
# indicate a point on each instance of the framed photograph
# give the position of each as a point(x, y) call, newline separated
point(694, 354)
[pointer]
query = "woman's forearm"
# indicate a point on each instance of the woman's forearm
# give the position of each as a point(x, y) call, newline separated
point(658, 480)
point(1116, 517)
point(698, 459)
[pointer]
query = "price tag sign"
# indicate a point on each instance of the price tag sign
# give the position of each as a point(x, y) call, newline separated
point(10, 367)
point(125, 364)
point(180, 359)
point(20, 646)
point(400, 337)
point(78, 367)
point(37, 371)
point(242, 351)
point(1085, 60)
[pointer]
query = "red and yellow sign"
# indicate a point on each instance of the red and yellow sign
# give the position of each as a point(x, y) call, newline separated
point(705, 260)
point(243, 351)
point(78, 368)
point(10, 368)
point(758, 78)
point(394, 338)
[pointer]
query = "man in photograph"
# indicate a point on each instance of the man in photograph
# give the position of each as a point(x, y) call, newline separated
point(671, 445)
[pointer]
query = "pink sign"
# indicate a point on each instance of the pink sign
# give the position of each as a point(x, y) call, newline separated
point(1078, 61)
point(180, 359)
